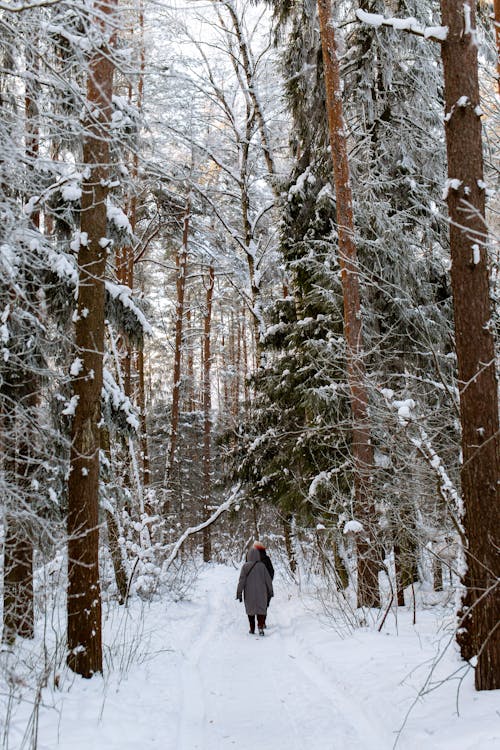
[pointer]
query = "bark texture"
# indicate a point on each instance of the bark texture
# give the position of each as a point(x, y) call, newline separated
point(368, 591)
point(181, 263)
point(207, 417)
point(474, 346)
point(84, 596)
point(496, 21)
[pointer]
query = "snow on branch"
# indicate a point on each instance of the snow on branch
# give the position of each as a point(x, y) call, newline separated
point(410, 24)
point(195, 529)
point(123, 294)
point(21, 7)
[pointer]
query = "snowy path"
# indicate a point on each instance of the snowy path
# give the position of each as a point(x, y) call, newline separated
point(245, 692)
point(198, 681)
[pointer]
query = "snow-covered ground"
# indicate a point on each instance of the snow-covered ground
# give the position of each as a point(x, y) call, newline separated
point(188, 676)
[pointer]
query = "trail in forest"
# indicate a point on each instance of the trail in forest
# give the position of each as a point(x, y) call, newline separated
point(248, 691)
point(186, 675)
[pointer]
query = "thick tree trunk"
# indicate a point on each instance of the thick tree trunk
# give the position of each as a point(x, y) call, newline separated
point(207, 417)
point(480, 634)
point(368, 564)
point(84, 596)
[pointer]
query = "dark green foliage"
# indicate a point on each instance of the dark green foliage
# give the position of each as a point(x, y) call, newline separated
point(296, 456)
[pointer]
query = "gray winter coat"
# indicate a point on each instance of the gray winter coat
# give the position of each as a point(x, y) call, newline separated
point(256, 584)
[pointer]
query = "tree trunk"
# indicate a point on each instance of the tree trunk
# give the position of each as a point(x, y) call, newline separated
point(368, 564)
point(141, 402)
point(405, 563)
point(18, 609)
point(114, 532)
point(496, 22)
point(84, 596)
point(249, 70)
point(189, 399)
point(474, 343)
point(18, 615)
point(207, 421)
point(18, 605)
point(287, 530)
point(181, 259)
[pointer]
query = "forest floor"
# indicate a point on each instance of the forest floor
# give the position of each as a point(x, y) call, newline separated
point(188, 676)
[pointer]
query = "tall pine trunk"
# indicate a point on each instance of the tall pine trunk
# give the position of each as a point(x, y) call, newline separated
point(84, 596)
point(368, 565)
point(480, 634)
point(207, 417)
point(181, 258)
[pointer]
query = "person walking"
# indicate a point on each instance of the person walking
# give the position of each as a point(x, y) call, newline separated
point(256, 585)
point(265, 558)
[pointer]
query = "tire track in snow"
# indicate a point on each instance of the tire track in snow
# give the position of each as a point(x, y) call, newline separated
point(191, 729)
point(357, 730)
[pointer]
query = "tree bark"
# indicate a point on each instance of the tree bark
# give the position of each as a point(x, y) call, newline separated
point(84, 596)
point(496, 23)
point(114, 532)
point(207, 417)
point(287, 531)
point(368, 565)
point(18, 608)
point(18, 605)
point(181, 259)
point(477, 382)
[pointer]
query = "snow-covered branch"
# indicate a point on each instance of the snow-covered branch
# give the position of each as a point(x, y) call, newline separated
point(410, 24)
point(196, 529)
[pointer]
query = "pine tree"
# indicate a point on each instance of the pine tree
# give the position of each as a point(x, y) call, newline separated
point(84, 597)
point(474, 343)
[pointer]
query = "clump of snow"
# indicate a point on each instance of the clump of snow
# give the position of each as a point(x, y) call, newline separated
point(71, 405)
point(405, 409)
point(123, 294)
point(112, 392)
point(319, 480)
point(300, 184)
point(71, 192)
point(451, 184)
point(76, 367)
point(353, 527)
point(116, 216)
point(79, 238)
point(438, 33)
